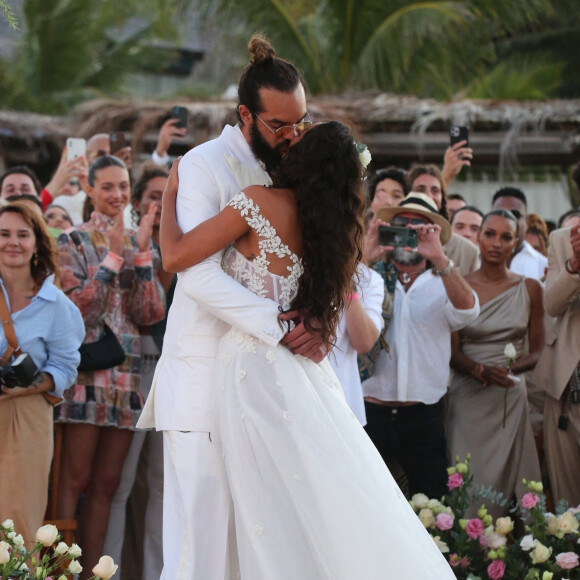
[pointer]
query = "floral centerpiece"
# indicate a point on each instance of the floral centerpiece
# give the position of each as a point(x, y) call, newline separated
point(49, 559)
point(481, 549)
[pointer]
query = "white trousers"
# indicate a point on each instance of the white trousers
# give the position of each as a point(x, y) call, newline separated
point(198, 520)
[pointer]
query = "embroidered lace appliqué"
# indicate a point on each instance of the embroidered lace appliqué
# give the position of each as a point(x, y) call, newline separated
point(254, 274)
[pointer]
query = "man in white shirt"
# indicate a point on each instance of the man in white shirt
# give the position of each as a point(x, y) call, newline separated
point(198, 538)
point(404, 395)
point(526, 261)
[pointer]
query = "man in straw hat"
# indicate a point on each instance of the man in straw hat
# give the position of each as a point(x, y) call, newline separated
point(403, 397)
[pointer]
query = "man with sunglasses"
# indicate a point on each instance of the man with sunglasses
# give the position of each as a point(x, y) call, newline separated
point(404, 395)
point(526, 261)
point(198, 519)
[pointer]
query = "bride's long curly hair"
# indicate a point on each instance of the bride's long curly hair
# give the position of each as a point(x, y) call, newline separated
point(324, 171)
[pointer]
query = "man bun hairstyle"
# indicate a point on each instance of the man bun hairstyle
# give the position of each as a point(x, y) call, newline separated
point(265, 71)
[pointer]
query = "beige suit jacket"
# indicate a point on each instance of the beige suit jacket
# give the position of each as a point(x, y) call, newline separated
point(561, 300)
point(464, 254)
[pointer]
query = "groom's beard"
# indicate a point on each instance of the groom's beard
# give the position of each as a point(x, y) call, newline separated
point(405, 257)
point(269, 156)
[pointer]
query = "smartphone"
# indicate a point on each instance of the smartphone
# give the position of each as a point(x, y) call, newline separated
point(458, 133)
point(397, 237)
point(181, 114)
point(75, 148)
point(117, 141)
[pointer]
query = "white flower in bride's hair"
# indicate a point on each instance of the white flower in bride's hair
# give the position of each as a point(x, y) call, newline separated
point(364, 154)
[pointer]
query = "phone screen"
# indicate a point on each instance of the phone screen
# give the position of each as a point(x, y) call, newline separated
point(397, 237)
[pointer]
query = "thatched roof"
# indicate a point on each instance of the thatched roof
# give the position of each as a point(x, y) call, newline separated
point(398, 129)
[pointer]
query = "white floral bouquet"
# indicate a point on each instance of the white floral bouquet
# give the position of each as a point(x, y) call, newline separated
point(480, 549)
point(49, 559)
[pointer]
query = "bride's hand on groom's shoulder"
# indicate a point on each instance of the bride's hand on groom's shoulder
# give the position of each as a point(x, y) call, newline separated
point(302, 341)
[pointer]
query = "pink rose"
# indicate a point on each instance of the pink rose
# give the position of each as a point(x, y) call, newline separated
point(474, 528)
point(496, 570)
point(456, 562)
point(567, 560)
point(444, 521)
point(455, 480)
point(530, 500)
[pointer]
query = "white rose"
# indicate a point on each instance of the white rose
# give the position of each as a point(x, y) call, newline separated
point(46, 535)
point(552, 524)
point(504, 526)
point(527, 543)
point(4, 552)
point(568, 523)
point(74, 567)
point(74, 551)
point(365, 157)
point(495, 541)
point(420, 500)
point(105, 568)
point(426, 517)
point(61, 549)
point(8, 524)
point(510, 351)
point(443, 547)
point(18, 541)
point(540, 553)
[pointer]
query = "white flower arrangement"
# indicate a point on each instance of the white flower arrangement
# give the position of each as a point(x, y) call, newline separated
point(50, 557)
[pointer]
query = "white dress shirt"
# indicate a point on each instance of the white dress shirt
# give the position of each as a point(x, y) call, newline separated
point(529, 263)
point(417, 368)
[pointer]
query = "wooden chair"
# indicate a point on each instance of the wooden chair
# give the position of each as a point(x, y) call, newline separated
point(67, 528)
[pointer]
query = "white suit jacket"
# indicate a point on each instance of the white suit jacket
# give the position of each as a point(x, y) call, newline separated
point(207, 301)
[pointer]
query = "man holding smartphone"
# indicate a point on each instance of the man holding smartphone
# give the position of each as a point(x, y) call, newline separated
point(403, 399)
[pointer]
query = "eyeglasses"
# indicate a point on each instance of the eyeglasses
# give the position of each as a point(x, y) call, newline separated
point(297, 128)
point(402, 222)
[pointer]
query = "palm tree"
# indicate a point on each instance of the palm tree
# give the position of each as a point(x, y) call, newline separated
point(430, 48)
point(73, 49)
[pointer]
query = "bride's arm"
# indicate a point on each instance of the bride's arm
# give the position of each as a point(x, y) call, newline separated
point(180, 251)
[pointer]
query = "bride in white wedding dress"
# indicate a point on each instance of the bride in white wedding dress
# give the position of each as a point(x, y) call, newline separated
point(313, 499)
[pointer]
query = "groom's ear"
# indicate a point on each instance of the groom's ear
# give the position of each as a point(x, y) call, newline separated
point(245, 115)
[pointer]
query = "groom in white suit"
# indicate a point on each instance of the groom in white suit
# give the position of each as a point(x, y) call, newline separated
point(198, 539)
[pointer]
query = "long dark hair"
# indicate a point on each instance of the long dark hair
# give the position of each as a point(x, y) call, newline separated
point(324, 171)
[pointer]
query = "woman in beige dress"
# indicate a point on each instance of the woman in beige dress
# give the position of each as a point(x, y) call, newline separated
point(498, 436)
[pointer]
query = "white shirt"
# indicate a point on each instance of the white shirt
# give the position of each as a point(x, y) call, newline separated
point(343, 357)
point(417, 368)
point(73, 204)
point(529, 263)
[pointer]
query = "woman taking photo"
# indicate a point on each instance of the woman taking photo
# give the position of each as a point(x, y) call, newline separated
point(109, 275)
point(483, 390)
point(312, 497)
point(49, 327)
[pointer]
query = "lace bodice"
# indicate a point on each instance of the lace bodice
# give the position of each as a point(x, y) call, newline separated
point(254, 274)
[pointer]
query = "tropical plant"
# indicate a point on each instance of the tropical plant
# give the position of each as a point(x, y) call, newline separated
point(72, 49)
point(436, 48)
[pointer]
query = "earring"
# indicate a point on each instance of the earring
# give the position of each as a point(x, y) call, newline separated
point(35, 259)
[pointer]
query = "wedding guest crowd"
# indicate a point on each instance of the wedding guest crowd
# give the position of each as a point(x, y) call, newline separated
point(436, 321)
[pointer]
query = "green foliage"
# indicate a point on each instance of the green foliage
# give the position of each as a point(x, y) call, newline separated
point(438, 48)
point(73, 49)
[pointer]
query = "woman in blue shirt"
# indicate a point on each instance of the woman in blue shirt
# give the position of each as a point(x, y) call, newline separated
point(50, 329)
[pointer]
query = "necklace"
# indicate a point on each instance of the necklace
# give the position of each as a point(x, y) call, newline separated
point(405, 278)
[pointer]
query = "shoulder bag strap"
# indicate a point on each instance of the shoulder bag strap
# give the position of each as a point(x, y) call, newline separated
point(8, 327)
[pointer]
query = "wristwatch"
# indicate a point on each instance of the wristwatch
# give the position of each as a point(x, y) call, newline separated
point(445, 270)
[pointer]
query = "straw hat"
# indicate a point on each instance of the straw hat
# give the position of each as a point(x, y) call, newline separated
point(421, 204)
